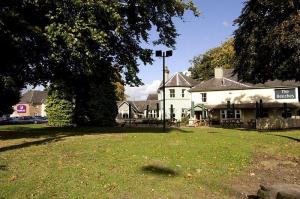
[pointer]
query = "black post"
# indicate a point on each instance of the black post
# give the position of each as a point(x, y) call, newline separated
point(168, 53)
point(157, 110)
point(261, 108)
point(164, 91)
point(285, 110)
point(171, 112)
point(147, 112)
point(257, 110)
point(129, 113)
point(228, 110)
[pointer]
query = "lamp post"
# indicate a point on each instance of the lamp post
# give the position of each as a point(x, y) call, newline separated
point(162, 54)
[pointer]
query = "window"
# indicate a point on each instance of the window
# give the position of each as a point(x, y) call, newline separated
point(152, 114)
point(223, 114)
point(182, 92)
point(238, 114)
point(125, 115)
point(172, 93)
point(204, 97)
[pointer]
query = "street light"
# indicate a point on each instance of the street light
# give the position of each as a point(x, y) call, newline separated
point(162, 54)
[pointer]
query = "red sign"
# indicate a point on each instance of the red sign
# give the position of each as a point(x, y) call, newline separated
point(21, 108)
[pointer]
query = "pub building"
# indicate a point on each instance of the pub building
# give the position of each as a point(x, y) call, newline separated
point(225, 100)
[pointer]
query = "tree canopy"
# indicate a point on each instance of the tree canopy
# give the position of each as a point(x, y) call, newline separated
point(79, 44)
point(203, 65)
point(267, 41)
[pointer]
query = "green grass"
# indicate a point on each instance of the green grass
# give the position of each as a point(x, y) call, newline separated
point(40, 162)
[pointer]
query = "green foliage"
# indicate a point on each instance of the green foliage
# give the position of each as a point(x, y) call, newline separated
point(203, 65)
point(59, 109)
point(185, 120)
point(267, 41)
point(9, 94)
point(78, 43)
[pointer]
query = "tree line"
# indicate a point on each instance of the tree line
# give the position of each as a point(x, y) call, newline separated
point(265, 46)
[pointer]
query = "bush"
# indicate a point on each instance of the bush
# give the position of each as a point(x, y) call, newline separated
point(59, 110)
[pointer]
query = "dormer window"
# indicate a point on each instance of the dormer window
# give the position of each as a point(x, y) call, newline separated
point(172, 93)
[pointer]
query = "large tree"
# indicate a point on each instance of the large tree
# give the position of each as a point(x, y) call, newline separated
point(203, 65)
point(267, 41)
point(82, 44)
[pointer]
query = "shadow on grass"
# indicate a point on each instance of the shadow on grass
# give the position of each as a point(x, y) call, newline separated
point(252, 197)
point(28, 132)
point(213, 132)
point(3, 168)
point(27, 144)
point(158, 170)
point(51, 134)
point(287, 137)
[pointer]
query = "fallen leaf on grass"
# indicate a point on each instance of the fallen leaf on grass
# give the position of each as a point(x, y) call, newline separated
point(13, 178)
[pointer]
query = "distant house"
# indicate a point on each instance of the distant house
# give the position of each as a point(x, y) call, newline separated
point(32, 103)
point(139, 108)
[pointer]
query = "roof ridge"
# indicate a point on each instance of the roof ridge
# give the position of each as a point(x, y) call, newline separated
point(185, 79)
point(237, 82)
point(169, 79)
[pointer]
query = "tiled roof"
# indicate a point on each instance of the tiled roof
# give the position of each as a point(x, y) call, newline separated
point(140, 106)
point(153, 96)
point(34, 97)
point(230, 82)
point(180, 80)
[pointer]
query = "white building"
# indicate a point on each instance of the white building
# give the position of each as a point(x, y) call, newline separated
point(218, 99)
point(178, 97)
point(215, 94)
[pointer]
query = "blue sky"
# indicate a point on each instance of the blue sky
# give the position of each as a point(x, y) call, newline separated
point(197, 35)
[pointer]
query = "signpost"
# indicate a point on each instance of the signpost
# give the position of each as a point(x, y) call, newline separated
point(285, 93)
point(21, 108)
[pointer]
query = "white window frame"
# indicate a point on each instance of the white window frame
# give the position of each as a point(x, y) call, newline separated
point(172, 93)
point(183, 93)
point(236, 112)
point(204, 96)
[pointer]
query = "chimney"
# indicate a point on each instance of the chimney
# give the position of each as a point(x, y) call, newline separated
point(219, 73)
point(167, 72)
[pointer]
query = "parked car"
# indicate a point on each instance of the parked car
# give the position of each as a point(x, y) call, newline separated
point(26, 120)
point(40, 120)
point(5, 120)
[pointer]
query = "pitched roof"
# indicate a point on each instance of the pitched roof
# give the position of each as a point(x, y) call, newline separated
point(180, 80)
point(153, 96)
point(230, 82)
point(140, 106)
point(34, 97)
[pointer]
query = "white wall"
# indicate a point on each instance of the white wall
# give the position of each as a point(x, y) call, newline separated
point(43, 110)
point(241, 96)
point(178, 101)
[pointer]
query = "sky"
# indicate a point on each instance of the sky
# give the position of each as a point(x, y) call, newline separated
point(197, 35)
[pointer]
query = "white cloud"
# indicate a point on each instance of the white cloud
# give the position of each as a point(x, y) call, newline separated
point(225, 24)
point(142, 92)
point(187, 73)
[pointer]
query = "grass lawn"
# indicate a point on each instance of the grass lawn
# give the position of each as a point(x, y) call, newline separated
point(41, 162)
